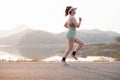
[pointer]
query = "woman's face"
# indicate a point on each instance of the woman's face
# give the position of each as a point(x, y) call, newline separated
point(73, 12)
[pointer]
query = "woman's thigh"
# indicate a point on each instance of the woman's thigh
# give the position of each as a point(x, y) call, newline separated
point(78, 41)
point(70, 43)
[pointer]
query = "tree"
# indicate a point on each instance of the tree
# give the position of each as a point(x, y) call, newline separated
point(117, 39)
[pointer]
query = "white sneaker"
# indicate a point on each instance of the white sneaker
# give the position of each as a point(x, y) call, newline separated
point(64, 63)
point(74, 57)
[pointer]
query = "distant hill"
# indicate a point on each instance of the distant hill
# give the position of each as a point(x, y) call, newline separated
point(37, 37)
point(88, 36)
point(97, 36)
point(28, 36)
point(10, 32)
point(38, 43)
point(13, 39)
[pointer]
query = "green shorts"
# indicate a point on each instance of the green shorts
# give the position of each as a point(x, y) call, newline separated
point(71, 33)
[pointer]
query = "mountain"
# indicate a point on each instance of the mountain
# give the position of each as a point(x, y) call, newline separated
point(12, 37)
point(36, 37)
point(38, 43)
point(97, 36)
point(88, 36)
point(42, 44)
point(17, 29)
point(28, 37)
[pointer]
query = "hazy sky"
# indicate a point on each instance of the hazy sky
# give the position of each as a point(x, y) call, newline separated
point(48, 15)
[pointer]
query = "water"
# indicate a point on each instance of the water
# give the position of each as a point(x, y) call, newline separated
point(34, 51)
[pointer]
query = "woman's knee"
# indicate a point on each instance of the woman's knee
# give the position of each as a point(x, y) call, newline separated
point(81, 43)
point(69, 50)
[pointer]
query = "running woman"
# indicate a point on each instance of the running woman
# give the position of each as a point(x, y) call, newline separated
point(71, 24)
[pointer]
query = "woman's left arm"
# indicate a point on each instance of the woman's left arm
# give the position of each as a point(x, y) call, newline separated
point(75, 22)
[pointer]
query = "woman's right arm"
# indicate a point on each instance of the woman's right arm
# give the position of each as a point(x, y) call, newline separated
point(66, 24)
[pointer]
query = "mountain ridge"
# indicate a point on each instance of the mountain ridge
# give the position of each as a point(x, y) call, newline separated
point(40, 36)
point(42, 44)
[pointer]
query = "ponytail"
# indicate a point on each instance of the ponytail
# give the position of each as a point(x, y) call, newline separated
point(66, 10)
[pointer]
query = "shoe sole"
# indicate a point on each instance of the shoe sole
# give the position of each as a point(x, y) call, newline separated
point(74, 57)
point(64, 63)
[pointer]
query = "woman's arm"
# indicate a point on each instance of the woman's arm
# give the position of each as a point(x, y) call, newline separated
point(66, 24)
point(75, 22)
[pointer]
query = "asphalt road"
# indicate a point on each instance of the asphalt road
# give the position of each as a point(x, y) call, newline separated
point(56, 71)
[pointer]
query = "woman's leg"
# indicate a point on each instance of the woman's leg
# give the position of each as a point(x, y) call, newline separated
point(79, 45)
point(70, 43)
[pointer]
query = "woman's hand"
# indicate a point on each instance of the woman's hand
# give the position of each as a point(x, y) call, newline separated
point(80, 18)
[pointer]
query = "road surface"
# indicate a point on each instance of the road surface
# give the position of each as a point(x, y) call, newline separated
point(56, 71)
